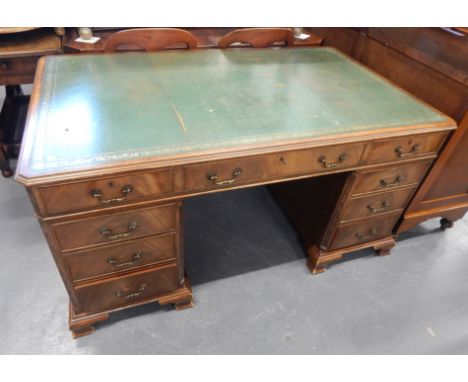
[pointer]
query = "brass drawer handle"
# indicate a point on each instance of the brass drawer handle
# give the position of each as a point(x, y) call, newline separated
point(213, 177)
point(97, 193)
point(396, 182)
point(383, 206)
point(370, 235)
point(128, 295)
point(5, 65)
point(136, 257)
point(413, 151)
point(107, 232)
point(323, 160)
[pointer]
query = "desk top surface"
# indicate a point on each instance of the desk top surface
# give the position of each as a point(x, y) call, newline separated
point(102, 110)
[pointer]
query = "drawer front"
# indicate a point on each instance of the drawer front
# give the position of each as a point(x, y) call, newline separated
point(121, 257)
point(390, 178)
point(371, 229)
point(81, 233)
point(318, 160)
point(235, 171)
point(128, 289)
point(410, 147)
point(227, 173)
point(104, 192)
point(367, 206)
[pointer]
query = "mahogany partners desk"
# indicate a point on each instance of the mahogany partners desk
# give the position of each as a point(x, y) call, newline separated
point(115, 143)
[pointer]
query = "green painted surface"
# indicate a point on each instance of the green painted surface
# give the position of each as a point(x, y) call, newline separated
point(100, 109)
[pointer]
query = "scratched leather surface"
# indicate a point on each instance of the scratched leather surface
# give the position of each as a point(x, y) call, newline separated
point(106, 108)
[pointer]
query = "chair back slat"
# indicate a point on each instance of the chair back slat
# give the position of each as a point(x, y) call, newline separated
point(258, 37)
point(150, 39)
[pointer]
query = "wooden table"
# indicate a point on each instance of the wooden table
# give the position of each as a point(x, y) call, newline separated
point(19, 53)
point(114, 144)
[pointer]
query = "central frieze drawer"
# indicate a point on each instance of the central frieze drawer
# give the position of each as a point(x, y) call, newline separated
point(82, 233)
point(128, 289)
point(368, 206)
point(227, 172)
point(115, 258)
point(104, 192)
point(306, 161)
point(320, 159)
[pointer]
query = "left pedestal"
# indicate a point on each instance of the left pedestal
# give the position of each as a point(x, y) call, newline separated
point(117, 252)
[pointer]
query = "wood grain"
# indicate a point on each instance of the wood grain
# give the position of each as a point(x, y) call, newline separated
point(121, 258)
point(360, 232)
point(53, 200)
point(83, 233)
point(115, 293)
point(390, 178)
point(258, 37)
point(149, 39)
point(376, 204)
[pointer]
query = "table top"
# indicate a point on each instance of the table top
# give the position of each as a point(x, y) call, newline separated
point(99, 111)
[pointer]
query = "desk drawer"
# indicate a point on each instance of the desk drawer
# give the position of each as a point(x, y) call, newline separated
point(104, 192)
point(234, 171)
point(410, 147)
point(367, 206)
point(127, 290)
point(390, 178)
point(105, 229)
point(319, 160)
point(227, 172)
point(369, 230)
point(116, 258)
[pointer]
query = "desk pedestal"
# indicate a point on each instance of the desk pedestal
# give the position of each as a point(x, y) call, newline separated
point(346, 212)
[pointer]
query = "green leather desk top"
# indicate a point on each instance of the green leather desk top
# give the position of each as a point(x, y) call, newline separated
point(91, 111)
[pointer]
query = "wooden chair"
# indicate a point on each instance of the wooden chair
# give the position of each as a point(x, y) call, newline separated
point(258, 37)
point(149, 39)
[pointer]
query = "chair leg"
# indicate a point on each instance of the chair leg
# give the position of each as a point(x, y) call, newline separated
point(4, 163)
point(7, 125)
